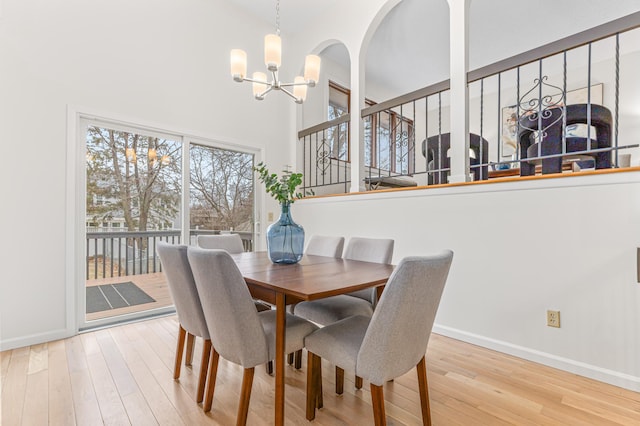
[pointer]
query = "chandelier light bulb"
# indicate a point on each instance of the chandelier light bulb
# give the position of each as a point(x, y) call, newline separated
point(259, 84)
point(312, 69)
point(300, 89)
point(272, 51)
point(238, 64)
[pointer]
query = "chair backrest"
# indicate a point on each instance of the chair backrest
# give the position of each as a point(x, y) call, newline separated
point(232, 243)
point(182, 286)
point(436, 150)
point(377, 250)
point(321, 245)
point(399, 330)
point(234, 326)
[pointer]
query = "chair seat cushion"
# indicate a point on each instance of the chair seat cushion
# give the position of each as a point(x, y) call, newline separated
point(572, 144)
point(339, 342)
point(332, 309)
point(297, 329)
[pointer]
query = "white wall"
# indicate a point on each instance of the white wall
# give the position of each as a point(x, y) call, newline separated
point(565, 244)
point(152, 61)
point(520, 248)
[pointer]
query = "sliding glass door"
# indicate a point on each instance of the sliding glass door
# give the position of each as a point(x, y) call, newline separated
point(133, 200)
point(221, 193)
point(142, 186)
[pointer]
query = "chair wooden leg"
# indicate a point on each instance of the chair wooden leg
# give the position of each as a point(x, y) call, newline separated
point(204, 367)
point(314, 377)
point(290, 358)
point(179, 350)
point(298, 359)
point(191, 340)
point(424, 392)
point(339, 380)
point(211, 381)
point(358, 382)
point(269, 367)
point(245, 396)
point(318, 367)
point(377, 400)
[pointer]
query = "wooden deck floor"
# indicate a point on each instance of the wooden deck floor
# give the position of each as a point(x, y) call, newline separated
point(123, 375)
point(154, 284)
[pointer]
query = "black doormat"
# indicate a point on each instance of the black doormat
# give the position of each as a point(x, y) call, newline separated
point(113, 296)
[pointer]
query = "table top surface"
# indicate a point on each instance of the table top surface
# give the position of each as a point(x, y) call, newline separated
point(314, 277)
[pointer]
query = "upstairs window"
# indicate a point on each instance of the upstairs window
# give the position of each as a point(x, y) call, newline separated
point(338, 136)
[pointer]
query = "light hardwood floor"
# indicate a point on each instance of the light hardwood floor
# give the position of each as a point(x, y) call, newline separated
point(123, 375)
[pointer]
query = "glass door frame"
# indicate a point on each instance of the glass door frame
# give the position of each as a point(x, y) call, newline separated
point(78, 122)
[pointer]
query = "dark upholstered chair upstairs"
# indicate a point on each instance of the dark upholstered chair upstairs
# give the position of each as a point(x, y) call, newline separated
point(552, 123)
point(436, 150)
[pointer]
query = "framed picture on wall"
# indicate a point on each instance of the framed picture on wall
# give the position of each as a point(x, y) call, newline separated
point(509, 118)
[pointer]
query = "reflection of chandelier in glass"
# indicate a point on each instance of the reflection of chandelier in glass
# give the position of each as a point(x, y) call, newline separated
point(272, 59)
point(152, 154)
point(153, 158)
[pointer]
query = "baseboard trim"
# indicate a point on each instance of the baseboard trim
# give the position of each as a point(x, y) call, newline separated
point(612, 377)
point(35, 339)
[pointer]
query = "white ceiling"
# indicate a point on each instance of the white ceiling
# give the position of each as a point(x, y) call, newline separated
point(410, 49)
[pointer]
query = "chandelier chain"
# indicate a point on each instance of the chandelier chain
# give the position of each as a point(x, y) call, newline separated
point(278, 17)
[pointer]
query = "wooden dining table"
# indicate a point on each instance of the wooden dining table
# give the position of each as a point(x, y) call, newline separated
point(314, 277)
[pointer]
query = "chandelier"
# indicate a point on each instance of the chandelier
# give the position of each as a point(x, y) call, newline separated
point(273, 59)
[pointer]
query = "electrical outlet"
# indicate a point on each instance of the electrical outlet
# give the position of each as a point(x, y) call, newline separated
point(553, 319)
point(270, 216)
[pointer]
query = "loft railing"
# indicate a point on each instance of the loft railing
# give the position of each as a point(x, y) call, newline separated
point(115, 254)
point(325, 150)
point(515, 107)
point(394, 131)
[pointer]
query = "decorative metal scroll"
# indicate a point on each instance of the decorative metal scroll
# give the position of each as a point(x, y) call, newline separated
point(323, 156)
point(537, 110)
point(404, 144)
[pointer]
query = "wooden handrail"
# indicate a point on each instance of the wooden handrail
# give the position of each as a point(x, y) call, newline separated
point(626, 23)
point(611, 28)
point(318, 127)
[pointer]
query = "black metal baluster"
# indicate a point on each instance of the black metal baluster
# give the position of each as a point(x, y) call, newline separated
point(111, 255)
point(95, 258)
point(617, 95)
point(480, 162)
point(120, 256)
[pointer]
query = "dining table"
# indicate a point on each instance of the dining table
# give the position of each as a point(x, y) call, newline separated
point(312, 278)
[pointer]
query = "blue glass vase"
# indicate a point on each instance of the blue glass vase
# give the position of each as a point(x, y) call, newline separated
point(285, 238)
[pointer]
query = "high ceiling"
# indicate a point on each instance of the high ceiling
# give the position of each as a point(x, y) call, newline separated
point(410, 48)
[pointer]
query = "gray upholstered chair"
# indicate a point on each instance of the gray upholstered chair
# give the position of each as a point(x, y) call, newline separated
point(229, 242)
point(238, 332)
point(322, 245)
point(331, 309)
point(319, 245)
point(391, 342)
point(187, 302)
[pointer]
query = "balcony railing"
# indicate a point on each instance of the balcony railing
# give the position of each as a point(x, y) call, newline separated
point(523, 118)
point(115, 254)
point(326, 154)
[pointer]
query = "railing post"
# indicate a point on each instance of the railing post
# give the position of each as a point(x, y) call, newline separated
point(356, 126)
point(459, 66)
